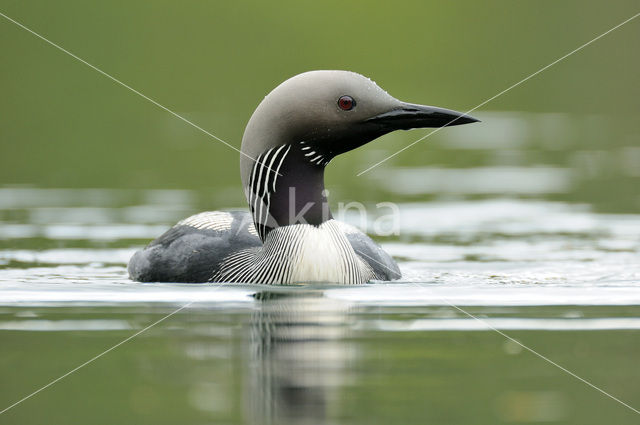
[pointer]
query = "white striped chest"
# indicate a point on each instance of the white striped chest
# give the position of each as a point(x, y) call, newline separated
point(324, 255)
point(299, 253)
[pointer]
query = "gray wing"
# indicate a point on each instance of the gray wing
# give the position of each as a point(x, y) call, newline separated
point(193, 249)
point(383, 265)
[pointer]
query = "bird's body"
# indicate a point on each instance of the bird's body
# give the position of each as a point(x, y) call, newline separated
point(224, 246)
point(289, 236)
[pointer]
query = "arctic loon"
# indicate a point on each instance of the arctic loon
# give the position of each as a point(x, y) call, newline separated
point(289, 235)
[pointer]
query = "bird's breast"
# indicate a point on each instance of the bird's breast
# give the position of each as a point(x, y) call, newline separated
point(324, 255)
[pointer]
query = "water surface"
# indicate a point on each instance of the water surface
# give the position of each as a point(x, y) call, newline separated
point(556, 277)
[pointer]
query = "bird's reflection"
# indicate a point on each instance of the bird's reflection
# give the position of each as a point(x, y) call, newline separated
point(299, 357)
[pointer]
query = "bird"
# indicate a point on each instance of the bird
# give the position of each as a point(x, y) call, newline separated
point(289, 236)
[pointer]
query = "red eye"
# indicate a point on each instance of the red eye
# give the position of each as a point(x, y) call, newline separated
point(346, 103)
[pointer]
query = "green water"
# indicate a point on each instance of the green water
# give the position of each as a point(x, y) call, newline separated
point(527, 223)
point(282, 363)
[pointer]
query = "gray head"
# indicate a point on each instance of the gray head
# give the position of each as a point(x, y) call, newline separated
point(309, 119)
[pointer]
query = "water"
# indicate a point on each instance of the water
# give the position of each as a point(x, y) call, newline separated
point(559, 278)
point(508, 264)
point(523, 229)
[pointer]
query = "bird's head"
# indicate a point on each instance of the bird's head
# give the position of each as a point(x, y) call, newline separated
point(332, 112)
point(305, 122)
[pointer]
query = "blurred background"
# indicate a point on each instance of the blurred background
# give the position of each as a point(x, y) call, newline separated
point(528, 220)
point(571, 132)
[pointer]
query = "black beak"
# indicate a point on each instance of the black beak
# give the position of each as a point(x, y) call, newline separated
point(409, 116)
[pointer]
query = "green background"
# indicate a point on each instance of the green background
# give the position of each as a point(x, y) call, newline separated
point(63, 124)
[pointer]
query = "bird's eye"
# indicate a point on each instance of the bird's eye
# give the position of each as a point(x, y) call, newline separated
point(346, 103)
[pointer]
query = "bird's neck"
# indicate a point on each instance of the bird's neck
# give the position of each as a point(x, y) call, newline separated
point(286, 187)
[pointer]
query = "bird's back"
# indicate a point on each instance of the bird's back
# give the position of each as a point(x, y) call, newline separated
point(193, 249)
point(218, 246)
